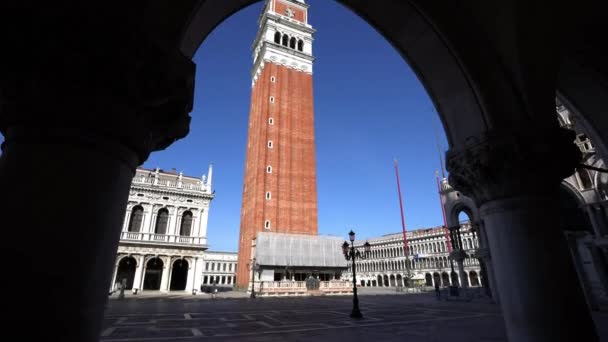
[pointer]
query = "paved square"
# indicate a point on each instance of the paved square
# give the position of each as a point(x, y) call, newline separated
point(386, 318)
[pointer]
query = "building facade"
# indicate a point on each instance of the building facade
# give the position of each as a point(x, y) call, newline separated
point(219, 269)
point(427, 262)
point(279, 190)
point(164, 236)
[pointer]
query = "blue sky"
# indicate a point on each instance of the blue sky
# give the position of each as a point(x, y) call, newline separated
point(369, 108)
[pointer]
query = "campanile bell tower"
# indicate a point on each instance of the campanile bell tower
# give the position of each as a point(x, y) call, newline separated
point(279, 190)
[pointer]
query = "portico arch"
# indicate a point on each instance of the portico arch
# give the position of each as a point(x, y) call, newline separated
point(464, 60)
point(428, 279)
point(473, 278)
point(126, 271)
point(153, 275)
point(179, 275)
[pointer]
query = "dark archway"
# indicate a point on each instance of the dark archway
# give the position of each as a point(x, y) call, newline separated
point(186, 225)
point(126, 270)
point(277, 37)
point(179, 275)
point(399, 280)
point(474, 280)
point(136, 219)
point(292, 43)
point(392, 280)
point(380, 282)
point(386, 283)
point(445, 279)
point(455, 281)
point(436, 278)
point(428, 279)
point(153, 276)
point(162, 220)
point(300, 45)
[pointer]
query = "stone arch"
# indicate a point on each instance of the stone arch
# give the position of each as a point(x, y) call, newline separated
point(285, 40)
point(428, 279)
point(162, 221)
point(436, 278)
point(392, 280)
point(179, 274)
point(436, 58)
point(126, 271)
point(153, 273)
point(136, 219)
point(473, 278)
point(292, 42)
point(277, 37)
point(445, 279)
point(300, 45)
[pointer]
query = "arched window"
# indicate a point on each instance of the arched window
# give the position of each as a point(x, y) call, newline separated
point(292, 43)
point(277, 37)
point(137, 216)
point(285, 40)
point(300, 45)
point(186, 225)
point(162, 218)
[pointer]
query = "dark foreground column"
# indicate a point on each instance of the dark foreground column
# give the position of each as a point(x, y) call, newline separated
point(541, 297)
point(84, 98)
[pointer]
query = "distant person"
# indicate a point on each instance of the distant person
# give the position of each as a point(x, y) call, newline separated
point(437, 293)
point(123, 286)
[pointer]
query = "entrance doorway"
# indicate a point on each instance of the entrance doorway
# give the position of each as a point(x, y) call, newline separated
point(179, 275)
point(154, 272)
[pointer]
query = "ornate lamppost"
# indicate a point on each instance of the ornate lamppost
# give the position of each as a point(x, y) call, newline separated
point(254, 268)
point(352, 255)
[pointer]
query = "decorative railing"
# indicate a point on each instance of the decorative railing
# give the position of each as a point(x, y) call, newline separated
point(170, 184)
point(300, 286)
point(177, 239)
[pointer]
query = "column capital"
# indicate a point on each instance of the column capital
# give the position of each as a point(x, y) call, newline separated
point(128, 96)
point(502, 165)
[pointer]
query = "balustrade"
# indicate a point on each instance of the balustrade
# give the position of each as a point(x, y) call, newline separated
point(139, 236)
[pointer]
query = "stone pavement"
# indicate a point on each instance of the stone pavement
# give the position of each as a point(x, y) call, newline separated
point(387, 317)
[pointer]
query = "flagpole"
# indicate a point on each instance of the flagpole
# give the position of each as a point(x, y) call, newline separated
point(407, 267)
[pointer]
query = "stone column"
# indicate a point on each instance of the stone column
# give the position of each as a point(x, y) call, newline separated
point(164, 278)
point(572, 240)
point(114, 276)
point(459, 255)
point(198, 273)
point(599, 263)
point(83, 103)
point(596, 220)
point(190, 276)
point(515, 179)
point(485, 265)
point(139, 272)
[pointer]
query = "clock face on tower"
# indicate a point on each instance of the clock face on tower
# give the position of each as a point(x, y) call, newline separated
point(289, 12)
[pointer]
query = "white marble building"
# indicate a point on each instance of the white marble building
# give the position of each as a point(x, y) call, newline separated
point(220, 268)
point(164, 236)
point(427, 262)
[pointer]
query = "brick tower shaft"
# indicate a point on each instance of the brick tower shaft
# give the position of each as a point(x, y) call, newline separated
point(279, 190)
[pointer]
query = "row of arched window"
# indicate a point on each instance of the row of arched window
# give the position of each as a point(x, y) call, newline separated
point(290, 42)
point(400, 265)
point(426, 248)
point(162, 221)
